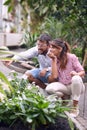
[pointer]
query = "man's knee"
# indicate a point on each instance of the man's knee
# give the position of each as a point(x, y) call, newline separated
point(29, 77)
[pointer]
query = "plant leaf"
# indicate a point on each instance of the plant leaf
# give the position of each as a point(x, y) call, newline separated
point(7, 2)
point(4, 78)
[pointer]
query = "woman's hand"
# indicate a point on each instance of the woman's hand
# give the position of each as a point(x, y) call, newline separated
point(51, 55)
point(81, 73)
point(73, 73)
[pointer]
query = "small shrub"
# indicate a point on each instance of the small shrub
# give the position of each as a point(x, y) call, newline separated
point(29, 39)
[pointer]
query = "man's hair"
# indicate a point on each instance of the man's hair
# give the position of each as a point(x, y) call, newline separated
point(45, 37)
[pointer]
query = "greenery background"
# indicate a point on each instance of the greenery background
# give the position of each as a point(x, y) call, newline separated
point(60, 18)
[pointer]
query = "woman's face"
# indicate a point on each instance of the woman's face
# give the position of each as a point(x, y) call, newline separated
point(55, 49)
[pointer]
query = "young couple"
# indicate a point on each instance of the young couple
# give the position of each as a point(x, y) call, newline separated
point(57, 67)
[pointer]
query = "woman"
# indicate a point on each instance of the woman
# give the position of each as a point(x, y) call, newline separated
point(67, 72)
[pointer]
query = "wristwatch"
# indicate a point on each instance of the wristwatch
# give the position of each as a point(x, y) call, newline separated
point(47, 69)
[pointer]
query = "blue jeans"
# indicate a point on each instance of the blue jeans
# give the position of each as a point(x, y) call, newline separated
point(36, 74)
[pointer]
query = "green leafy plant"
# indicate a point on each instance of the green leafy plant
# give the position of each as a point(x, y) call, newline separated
point(29, 39)
point(78, 52)
point(51, 25)
point(5, 87)
point(27, 104)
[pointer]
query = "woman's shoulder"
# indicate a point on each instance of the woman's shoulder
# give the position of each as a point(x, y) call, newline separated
point(71, 56)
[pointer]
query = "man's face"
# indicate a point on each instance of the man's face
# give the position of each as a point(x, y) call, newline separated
point(42, 47)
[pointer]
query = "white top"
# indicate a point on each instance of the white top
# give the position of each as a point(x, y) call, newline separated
point(44, 60)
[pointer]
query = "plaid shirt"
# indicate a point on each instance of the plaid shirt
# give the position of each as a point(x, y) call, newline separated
point(72, 65)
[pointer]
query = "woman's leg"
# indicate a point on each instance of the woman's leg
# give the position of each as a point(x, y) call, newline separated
point(57, 88)
point(77, 87)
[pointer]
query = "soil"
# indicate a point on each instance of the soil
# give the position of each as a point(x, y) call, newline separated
point(60, 124)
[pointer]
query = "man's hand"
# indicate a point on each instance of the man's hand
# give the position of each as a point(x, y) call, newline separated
point(7, 63)
point(43, 72)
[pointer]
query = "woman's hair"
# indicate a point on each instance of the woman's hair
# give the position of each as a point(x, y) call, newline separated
point(65, 48)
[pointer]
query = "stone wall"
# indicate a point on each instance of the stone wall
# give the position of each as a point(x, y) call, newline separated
point(10, 39)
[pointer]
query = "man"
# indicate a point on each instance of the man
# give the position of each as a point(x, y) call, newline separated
point(38, 75)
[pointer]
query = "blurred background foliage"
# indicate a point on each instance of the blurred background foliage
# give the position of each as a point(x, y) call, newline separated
point(66, 19)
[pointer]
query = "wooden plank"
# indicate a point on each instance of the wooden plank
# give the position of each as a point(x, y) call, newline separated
point(85, 102)
point(81, 105)
point(82, 121)
point(76, 122)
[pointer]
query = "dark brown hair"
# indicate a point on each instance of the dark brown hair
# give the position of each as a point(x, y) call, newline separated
point(65, 48)
point(45, 37)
